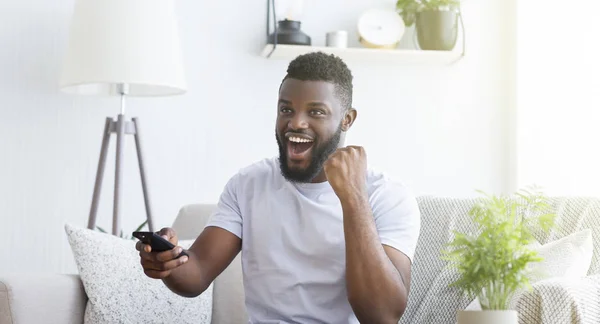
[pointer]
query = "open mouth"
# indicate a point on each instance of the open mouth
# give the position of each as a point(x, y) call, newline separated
point(299, 147)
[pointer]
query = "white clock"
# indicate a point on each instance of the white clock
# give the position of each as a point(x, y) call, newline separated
point(380, 28)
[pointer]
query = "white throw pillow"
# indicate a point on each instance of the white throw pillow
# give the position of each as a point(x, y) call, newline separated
point(120, 292)
point(568, 257)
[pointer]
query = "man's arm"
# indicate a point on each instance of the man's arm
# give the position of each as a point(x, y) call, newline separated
point(210, 254)
point(377, 276)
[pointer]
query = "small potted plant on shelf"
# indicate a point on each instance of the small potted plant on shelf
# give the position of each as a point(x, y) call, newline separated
point(436, 21)
point(493, 263)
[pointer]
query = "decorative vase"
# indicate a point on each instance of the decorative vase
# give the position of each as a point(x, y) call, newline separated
point(437, 29)
point(488, 317)
point(288, 32)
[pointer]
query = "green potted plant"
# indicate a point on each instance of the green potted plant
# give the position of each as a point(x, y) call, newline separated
point(493, 263)
point(436, 21)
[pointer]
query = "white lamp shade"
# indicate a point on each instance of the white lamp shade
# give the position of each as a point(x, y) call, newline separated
point(132, 42)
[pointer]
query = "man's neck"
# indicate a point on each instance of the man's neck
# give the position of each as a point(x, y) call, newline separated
point(321, 177)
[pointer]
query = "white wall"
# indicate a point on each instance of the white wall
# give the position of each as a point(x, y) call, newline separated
point(442, 130)
point(558, 78)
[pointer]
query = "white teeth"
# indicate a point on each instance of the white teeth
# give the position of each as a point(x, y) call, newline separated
point(299, 140)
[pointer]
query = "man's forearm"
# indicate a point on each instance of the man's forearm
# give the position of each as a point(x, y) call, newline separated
point(186, 280)
point(375, 288)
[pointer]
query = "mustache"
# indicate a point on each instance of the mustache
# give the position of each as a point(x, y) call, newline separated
point(300, 133)
point(296, 132)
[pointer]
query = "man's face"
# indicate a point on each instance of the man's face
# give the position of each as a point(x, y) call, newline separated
point(308, 127)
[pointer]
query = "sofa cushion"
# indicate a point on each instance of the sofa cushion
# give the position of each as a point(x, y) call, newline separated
point(570, 256)
point(120, 292)
point(41, 298)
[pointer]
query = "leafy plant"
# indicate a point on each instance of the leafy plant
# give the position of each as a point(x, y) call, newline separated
point(493, 264)
point(408, 9)
point(123, 235)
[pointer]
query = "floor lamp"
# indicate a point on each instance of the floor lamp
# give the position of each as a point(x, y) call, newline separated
point(122, 48)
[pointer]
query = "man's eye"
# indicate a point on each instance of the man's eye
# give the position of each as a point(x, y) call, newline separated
point(285, 110)
point(318, 112)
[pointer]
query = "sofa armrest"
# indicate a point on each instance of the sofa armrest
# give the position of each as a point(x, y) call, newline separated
point(561, 300)
point(41, 298)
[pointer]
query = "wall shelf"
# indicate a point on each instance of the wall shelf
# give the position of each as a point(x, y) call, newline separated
point(360, 54)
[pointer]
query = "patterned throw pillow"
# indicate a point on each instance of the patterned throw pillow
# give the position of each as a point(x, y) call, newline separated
point(120, 292)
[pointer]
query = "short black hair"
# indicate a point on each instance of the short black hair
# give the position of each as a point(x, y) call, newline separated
point(318, 66)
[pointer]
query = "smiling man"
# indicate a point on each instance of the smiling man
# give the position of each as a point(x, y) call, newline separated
point(324, 238)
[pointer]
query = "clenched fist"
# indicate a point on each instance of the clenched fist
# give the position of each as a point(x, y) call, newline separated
point(346, 171)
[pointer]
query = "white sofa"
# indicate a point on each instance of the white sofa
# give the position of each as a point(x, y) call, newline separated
point(57, 298)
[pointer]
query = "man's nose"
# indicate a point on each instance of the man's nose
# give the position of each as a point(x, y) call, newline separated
point(298, 122)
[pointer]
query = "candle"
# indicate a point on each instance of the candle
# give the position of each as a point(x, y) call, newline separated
point(337, 39)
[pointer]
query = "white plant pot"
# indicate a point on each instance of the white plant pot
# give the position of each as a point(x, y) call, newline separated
point(488, 317)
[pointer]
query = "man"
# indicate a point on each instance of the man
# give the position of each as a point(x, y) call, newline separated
point(323, 238)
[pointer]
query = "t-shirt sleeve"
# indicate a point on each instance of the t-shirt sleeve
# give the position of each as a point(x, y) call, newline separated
point(397, 217)
point(227, 214)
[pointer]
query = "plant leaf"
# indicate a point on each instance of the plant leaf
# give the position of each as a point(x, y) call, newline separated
point(139, 228)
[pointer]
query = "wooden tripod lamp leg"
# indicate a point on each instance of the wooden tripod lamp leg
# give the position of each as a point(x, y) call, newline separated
point(121, 128)
point(116, 226)
point(100, 173)
point(138, 146)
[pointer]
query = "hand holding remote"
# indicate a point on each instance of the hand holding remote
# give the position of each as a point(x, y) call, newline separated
point(159, 253)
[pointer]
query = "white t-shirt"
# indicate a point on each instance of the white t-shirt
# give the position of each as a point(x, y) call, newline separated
point(293, 246)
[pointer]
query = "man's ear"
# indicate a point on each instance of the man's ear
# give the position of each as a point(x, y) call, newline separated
point(349, 118)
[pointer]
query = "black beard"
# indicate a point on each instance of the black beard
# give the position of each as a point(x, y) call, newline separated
point(320, 154)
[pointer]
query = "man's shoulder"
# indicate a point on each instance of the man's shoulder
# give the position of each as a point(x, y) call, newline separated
point(395, 210)
point(378, 180)
point(385, 189)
